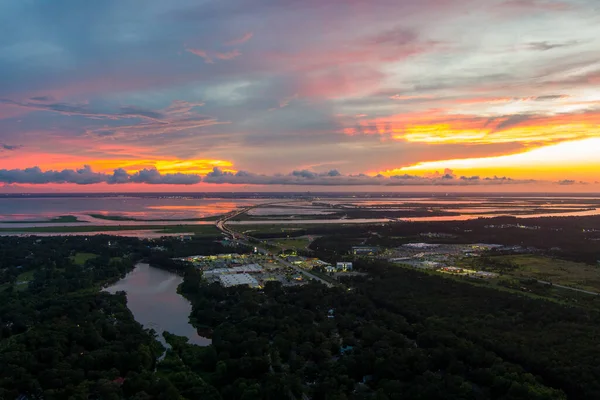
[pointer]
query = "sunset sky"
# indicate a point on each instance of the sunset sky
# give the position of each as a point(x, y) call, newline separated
point(225, 95)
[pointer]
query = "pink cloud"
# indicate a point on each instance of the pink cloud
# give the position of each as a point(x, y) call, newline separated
point(241, 40)
point(519, 6)
point(11, 111)
point(200, 53)
point(229, 55)
point(355, 66)
point(334, 82)
point(407, 98)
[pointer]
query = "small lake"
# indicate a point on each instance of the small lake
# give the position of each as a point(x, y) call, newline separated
point(153, 299)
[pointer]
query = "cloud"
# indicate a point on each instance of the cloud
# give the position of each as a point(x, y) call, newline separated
point(241, 40)
point(284, 102)
point(201, 53)
point(567, 182)
point(394, 37)
point(534, 5)
point(512, 121)
point(152, 176)
point(152, 129)
point(7, 147)
point(181, 108)
point(83, 176)
point(229, 55)
point(545, 46)
point(335, 178)
point(178, 116)
point(551, 97)
point(86, 176)
point(46, 103)
point(330, 68)
point(209, 58)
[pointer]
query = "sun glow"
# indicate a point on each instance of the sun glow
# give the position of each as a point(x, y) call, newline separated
point(578, 160)
point(164, 166)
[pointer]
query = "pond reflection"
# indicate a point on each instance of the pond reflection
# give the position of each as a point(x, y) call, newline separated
point(153, 299)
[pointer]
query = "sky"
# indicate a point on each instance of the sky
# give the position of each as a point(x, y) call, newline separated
point(227, 95)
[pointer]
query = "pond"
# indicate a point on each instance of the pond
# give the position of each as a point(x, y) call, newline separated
point(153, 299)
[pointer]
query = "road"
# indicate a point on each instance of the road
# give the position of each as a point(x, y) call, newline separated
point(568, 288)
point(245, 239)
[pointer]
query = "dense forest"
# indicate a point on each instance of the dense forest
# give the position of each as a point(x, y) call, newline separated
point(61, 337)
point(392, 334)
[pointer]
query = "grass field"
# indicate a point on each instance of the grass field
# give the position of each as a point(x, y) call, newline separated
point(25, 276)
point(81, 258)
point(567, 273)
point(266, 228)
point(295, 243)
point(23, 280)
point(198, 230)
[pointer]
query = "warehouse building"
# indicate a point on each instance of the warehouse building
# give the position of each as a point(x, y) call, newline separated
point(238, 279)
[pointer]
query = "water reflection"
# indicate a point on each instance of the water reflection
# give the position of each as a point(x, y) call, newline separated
point(153, 299)
point(131, 207)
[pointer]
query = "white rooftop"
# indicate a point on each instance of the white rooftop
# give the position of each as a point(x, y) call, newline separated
point(421, 245)
point(238, 279)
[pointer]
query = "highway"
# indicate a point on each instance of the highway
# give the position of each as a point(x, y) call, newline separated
point(244, 239)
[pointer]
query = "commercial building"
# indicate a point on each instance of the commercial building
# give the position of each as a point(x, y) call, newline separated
point(339, 267)
point(296, 260)
point(364, 250)
point(421, 245)
point(244, 269)
point(229, 280)
point(216, 272)
point(248, 268)
point(343, 266)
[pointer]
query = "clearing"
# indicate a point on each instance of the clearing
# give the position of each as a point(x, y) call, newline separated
point(81, 258)
point(561, 272)
point(299, 243)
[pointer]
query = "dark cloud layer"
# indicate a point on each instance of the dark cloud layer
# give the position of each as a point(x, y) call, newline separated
point(335, 178)
point(86, 176)
point(8, 147)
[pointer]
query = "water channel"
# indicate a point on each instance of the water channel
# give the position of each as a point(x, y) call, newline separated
point(153, 299)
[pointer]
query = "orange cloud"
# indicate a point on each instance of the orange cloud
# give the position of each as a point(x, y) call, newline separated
point(435, 127)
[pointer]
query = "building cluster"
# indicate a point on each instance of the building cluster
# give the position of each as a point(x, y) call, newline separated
point(442, 257)
point(339, 267)
point(307, 263)
point(506, 226)
point(253, 270)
